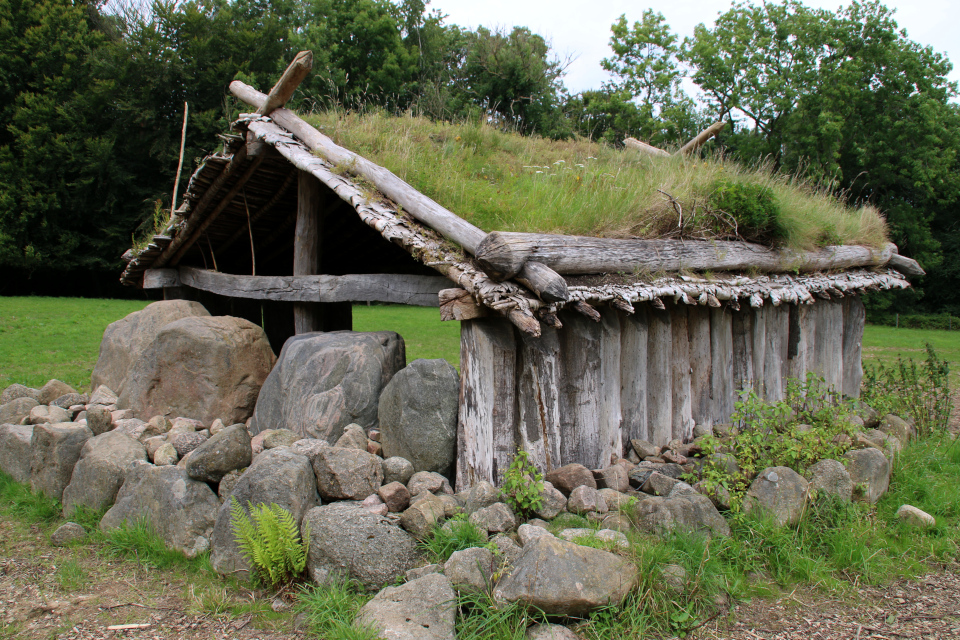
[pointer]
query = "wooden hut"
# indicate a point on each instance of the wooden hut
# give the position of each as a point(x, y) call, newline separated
point(564, 353)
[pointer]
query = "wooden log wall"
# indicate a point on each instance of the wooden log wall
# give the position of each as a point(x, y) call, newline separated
point(580, 393)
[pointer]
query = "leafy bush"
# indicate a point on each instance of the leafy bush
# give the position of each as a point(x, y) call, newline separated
point(523, 485)
point(462, 534)
point(270, 542)
point(920, 391)
point(752, 205)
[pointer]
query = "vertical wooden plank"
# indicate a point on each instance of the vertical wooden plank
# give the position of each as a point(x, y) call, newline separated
point(801, 336)
point(854, 318)
point(580, 393)
point(633, 374)
point(682, 422)
point(743, 349)
point(307, 316)
point(611, 437)
point(701, 365)
point(722, 387)
point(777, 320)
point(659, 377)
point(487, 416)
point(759, 347)
point(829, 342)
point(809, 319)
point(538, 380)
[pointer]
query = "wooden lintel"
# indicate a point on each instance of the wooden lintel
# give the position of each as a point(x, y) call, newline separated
point(421, 291)
point(458, 304)
point(160, 278)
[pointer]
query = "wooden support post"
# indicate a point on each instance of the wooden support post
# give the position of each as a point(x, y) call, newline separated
point(701, 365)
point(758, 349)
point(633, 374)
point(682, 407)
point(829, 347)
point(659, 377)
point(538, 384)
point(307, 316)
point(580, 392)
point(721, 357)
point(854, 317)
point(487, 420)
point(777, 321)
point(743, 375)
point(611, 418)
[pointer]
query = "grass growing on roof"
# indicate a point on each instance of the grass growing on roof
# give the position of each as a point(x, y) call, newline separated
point(507, 182)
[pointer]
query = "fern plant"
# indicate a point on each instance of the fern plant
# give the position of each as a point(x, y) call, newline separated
point(269, 540)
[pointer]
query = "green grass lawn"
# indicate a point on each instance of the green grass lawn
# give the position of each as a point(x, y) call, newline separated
point(43, 338)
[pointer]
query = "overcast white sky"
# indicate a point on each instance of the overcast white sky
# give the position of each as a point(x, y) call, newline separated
point(581, 28)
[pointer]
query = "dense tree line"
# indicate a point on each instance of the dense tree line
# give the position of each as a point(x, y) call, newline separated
point(92, 97)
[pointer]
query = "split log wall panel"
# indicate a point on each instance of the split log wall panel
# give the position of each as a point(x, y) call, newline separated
point(581, 393)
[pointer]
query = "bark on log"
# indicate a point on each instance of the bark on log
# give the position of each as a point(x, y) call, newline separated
point(854, 317)
point(905, 265)
point(543, 281)
point(659, 378)
point(502, 254)
point(682, 402)
point(643, 147)
point(633, 374)
point(701, 365)
point(701, 138)
point(398, 289)
point(458, 304)
point(292, 76)
point(538, 383)
point(721, 357)
point(487, 401)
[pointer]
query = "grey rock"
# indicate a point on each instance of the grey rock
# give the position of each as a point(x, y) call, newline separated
point(43, 414)
point(916, 517)
point(603, 535)
point(618, 522)
point(165, 455)
point(67, 533)
point(658, 484)
point(616, 500)
point(180, 510)
point(897, 427)
point(125, 340)
point(496, 518)
point(552, 502)
point(869, 471)
point(228, 483)
point(544, 631)
point(203, 367)
point(397, 470)
point(423, 609)
point(528, 532)
point(422, 515)
point(53, 390)
point(639, 476)
point(674, 577)
point(451, 506)
point(354, 437)
point(779, 492)
point(99, 420)
point(309, 447)
point(723, 463)
point(615, 477)
point(644, 449)
point(184, 425)
point(17, 390)
point(719, 495)
point(428, 481)
point(277, 476)
point(830, 477)
point(418, 415)
point(279, 438)
point(562, 578)
point(55, 449)
point(347, 474)
point(103, 395)
point(867, 413)
point(471, 570)
point(395, 496)
point(570, 476)
point(185, 443)
point(324, 381)
point(419, 572)
point(507, 549)
point(222, 453)
point(100, 471)
point(151, 445)
point(702, 430)
point(483, 494)
point(15, 451)
point(889, 444)
point(68, 400)
point(584, 499)
point(16, 410)
point(689, 512)
point(347, 541)
point(217, 426)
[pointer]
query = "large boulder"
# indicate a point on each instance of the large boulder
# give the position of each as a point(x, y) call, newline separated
point(16, 410)
point(869, 471)
point(471, 570)
point(563, 578)
point(15, 452)
point(229, 449)
point(830, 477)
point(54, 451)
point(570, 476)
point(687, 512)
point(202, 367)
point(422, 609)
point(99, 473)
point(347, 541)
point(45, 414)
point(418, 415)
point(347, 474)
point(278, 476)
point(180, 510)
point(53, 390)
point(324, 381)
point(779, 492)
point(17, 390)
point(125, 340)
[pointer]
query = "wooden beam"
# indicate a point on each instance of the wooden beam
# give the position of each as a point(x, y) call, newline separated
point(502, 254)
point(906, 266)
point(307, 316)
point(643, 147)
point(458, 304)
point(701, 138)
point(160, 278)
point(420, 291)
point(288, 83)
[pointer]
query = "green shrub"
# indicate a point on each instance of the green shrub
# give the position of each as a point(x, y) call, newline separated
point(523, 485)
point(919, 391)
point(270, 542)
point(752, 205)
